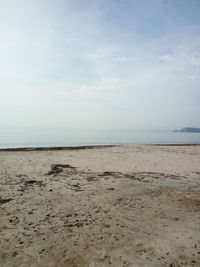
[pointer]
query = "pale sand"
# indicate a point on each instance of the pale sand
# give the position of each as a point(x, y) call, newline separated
point(143, 211)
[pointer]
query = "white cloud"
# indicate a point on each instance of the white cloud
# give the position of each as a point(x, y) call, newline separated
point(96, 87)
point(182, 58)
point(70, 40)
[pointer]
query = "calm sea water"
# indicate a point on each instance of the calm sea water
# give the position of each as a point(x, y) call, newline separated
point(43, 138)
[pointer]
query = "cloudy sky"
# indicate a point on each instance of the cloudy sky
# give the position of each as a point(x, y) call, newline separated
point(101, 64)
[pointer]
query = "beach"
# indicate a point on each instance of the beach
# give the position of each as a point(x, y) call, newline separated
point(100, 206)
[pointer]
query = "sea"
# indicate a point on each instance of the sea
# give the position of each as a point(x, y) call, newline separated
point(68, 137)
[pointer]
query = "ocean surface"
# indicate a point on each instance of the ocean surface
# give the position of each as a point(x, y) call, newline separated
point(46, 138)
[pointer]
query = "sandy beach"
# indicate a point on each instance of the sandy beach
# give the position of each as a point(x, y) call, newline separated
point(108, 206)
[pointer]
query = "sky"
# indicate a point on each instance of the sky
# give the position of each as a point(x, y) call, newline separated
point(100, 64)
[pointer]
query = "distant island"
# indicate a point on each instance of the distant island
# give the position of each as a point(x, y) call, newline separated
point(188, 130)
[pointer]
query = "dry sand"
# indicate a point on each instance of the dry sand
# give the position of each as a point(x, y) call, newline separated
point(120, 206)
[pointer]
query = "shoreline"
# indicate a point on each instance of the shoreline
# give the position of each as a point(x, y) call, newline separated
point(54, 148)
point(12, 149)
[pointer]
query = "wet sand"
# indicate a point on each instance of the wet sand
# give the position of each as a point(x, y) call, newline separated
point(105, 206)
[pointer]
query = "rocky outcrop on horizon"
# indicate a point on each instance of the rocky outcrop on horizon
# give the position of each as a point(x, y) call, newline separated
point(188, 130)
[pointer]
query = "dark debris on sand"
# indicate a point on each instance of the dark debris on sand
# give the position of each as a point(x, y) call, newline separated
point(3, 201)
point(57, 168)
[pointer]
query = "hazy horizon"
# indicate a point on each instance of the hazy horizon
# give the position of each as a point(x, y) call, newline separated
point(101, 64)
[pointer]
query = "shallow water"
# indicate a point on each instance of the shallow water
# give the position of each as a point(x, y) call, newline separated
point(43, 138)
